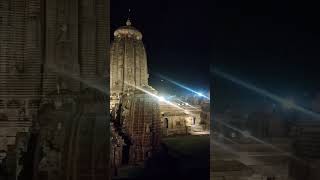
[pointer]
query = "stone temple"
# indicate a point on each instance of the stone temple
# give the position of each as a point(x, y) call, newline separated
point(54, 114)
point(135, 115)
point(139, 117)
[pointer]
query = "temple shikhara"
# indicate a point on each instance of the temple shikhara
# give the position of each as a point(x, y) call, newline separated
point(135, 115)
point(128, 62)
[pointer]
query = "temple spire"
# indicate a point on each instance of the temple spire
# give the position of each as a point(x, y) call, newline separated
point(128, 23)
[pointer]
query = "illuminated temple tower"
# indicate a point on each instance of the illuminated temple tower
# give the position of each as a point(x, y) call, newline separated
point(128, 62)
point(136, 118)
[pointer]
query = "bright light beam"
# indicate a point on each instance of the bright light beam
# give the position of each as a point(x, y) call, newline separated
point(184, 87)
point(265, 93)
point(160, 98)
point(242, 157)
point(186, 104)
point(261, 141)
point(98, 84)
point(228, 139)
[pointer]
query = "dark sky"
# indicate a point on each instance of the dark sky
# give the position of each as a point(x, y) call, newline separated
point(176, 35)
point(273, 44)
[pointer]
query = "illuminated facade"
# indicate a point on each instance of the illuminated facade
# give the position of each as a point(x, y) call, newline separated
point(128, 62)
point(139, 116)
point(135, 115)
point(191, 118)
point(129, 70)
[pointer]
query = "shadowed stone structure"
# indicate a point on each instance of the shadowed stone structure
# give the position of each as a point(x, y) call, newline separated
point(53, 82)
point(141, 120)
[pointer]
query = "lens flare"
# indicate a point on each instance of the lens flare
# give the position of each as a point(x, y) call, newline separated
point(99, 84)
point(184, 87)
point(185, 103)
point(160, 98)
point(285, 102)
point(244, 133)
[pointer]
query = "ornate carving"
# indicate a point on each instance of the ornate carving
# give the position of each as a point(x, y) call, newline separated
point(141, 131)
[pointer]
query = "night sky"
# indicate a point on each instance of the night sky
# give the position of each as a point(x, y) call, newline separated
point(272, 44)
point(177, 38)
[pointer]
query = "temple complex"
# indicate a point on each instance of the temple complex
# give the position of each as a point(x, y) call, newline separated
point(140, 117)
point(54, 115)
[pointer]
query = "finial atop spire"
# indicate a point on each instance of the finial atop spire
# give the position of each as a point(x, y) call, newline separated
point(128, 23)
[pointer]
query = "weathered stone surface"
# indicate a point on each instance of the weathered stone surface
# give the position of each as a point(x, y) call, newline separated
point(141, 121)
point(128, 61)
point(136, 127)
point(20, 66)
point(55, 53)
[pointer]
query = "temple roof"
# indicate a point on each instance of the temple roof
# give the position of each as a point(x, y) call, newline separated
point(128, 31)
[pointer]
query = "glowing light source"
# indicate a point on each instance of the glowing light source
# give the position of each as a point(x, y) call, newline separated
point(183, 86)
point(200, 94)
point(162, 99)
point(185, 103)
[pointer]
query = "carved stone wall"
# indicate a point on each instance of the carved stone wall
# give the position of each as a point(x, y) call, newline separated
point(141, 122)
point(128, 60)
point(76, 61)
point(48, 48)
point(20, 67)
